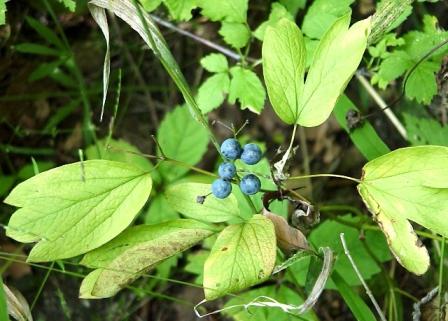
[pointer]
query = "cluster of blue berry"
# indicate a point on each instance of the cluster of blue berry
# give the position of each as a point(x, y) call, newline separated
point(249, 154)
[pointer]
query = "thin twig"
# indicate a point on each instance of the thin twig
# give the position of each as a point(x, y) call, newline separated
point(364, 284)
point(382, 104)
point(229, 53)
point(324, 175)
point(441, 288)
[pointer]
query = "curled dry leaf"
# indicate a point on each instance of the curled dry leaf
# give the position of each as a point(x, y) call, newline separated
point(18, 307)
point(289, 239)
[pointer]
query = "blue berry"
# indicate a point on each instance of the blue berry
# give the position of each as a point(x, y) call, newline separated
point(250, 184)
point(227, 170)
point(251, 154)
point(221, 188)
point(231, 149)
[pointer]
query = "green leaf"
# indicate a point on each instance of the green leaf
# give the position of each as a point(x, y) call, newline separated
point(180, 9)
point(280, 293)
point(159, 211)
point(215, 62)
point(135, 252)
point(6, 183)
point(423, 130)
point(365, 138)
point(293, 6)
point(69, 4)
point(3, 307)
point(242, 256)
point(29, 171)
point(327, 234)
point(322, 14)
point(422, 84)
point(284, 68)
point(408, 184)
point(391, 68)
point(2, 12)
point(235, 34)
point(229, 10)
point(182, 197)
point(336, 60)
point(359, 308)
point(181, 139)
point(278, 12)
point(37, 49)
point(247, 88)
point(311, 47)
point(118, 151)
point(121, 151)
point(45, 32)
point(44, 70)
point(195, 265)
point(135, 17)
point(59, 115)
point(150, 5)
point(213, 91)
point(379, 50)
point(76, 208)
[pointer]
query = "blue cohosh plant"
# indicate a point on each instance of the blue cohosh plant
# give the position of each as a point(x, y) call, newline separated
point(85, 208)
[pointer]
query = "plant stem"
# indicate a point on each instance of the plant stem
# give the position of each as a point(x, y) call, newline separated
point(165, 56)
point(382, 104)
point(364, 284)
point(167, 159)
point(41, 287)
point(305, 156)
point(441, 288)
point(229, 53)
point(325, 175)
point(341, 208)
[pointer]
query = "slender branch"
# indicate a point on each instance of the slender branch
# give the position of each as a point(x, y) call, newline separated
point(441, 288)
point(341, 208)
point(229, 53)
point(166, 159)
point(306, 157)
point(325, 175)
point(382, 104)
point(41, 287)
point(364, 284)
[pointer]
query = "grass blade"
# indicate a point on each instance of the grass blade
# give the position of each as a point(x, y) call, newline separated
point(365, 137)
point(359, 308)
point(132, 13)
point(3, 307)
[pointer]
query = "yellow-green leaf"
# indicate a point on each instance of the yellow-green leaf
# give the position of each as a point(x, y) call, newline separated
point(135, 252)
point(242, 256)
point(76, 208)
point(182, 197)
point(408, 184)
point(284, 58)
point(336, 59)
